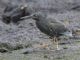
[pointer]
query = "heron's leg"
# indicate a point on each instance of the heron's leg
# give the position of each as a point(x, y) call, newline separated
point(55, 40)
point(57, 43)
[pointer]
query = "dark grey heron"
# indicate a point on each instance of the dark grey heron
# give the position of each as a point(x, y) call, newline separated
point(51, 27)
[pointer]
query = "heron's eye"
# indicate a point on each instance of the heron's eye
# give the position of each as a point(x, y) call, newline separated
point(35, 15)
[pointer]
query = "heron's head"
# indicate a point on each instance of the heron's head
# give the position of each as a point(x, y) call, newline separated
point(36, 16)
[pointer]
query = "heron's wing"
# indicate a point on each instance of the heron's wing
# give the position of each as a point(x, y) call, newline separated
point(56, 27)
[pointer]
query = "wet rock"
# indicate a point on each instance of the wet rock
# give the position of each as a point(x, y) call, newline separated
point(13, 13)
point(5, 45)
point(45, 56)
point(65, 47)
point(28, 50)
point(11, 47)
point(3, 50)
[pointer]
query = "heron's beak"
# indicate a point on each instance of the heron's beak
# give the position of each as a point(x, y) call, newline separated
point(31, 16)
point(27, 17)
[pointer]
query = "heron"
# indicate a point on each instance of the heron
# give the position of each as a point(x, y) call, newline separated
point(50, 27)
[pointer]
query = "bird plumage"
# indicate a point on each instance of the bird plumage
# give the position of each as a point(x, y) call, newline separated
point(51, 27)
